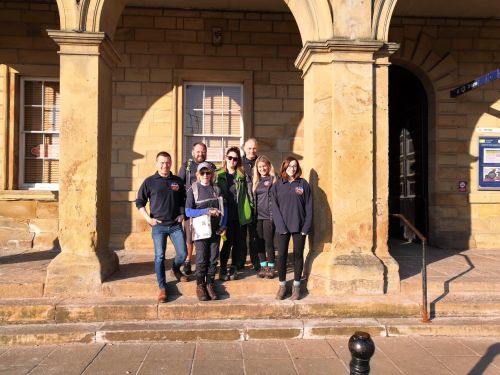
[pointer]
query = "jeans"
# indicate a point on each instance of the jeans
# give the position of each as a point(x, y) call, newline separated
point(160, 233)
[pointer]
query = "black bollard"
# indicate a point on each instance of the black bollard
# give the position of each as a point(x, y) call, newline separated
point(362, 348)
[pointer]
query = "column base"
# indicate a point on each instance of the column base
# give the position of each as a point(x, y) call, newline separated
point(391, 270)
point(361, 274)
point(70, 274)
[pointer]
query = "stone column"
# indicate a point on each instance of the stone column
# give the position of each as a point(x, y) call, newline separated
point(381, 119)
point(86, 63)
point(339, 149)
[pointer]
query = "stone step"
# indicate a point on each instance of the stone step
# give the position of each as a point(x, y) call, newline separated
point(238, 330)
point(43, 310)
point(46, 310)
point(443, 284)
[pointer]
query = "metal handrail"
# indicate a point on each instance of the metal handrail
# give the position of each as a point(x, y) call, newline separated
point(425, 315)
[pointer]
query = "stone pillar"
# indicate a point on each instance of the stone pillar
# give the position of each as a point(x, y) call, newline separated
point(381, 118)
point(86, 63)
point(339, 117)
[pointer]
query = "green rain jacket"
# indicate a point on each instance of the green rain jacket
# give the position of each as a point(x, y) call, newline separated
point(243, 198)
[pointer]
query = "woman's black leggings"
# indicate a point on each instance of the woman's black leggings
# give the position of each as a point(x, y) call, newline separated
point(232, 246)
point(299, 242)
point(265, 240)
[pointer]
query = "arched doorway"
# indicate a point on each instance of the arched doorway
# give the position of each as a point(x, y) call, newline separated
point(408, 116)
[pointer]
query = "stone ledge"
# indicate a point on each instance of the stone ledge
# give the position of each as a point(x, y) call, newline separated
point(29, 195)
point(240, 330)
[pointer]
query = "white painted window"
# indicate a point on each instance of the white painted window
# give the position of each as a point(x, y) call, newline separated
point(213, 115)
point(39, 134)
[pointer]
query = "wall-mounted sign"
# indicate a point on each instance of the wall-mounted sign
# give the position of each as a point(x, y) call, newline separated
point(489, 163)
point(462, 186)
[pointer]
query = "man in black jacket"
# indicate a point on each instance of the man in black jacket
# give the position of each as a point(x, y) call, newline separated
point(166, 195)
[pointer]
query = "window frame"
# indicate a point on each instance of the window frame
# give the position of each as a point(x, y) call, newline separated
point(187, 147)
point(208, 76)
point(22, 138)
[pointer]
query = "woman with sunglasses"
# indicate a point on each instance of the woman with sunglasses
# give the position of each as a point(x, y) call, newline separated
point(203, 198)
point(292, 215)
point(234, 183)
point(263, 179)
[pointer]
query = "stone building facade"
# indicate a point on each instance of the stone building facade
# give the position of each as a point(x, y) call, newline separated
point(311, 87)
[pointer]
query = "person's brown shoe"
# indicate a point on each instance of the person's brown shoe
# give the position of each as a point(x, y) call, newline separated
point(262, 273)
point(270, 273)
point(281, 292)
point(162, 297)
point(176, 272)
point(201, 292)
point(295, 293)
point(211, 292)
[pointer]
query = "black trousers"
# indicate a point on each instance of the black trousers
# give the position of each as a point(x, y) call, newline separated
point(207, 253)
point(249, 242)
point(233, 245)
point(299, 242)
point(265, 240)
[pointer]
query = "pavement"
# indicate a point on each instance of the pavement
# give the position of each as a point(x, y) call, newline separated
point(393, 355)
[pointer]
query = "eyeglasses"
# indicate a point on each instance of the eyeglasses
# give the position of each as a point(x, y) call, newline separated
point(235, 158)
point(204, 173)
point(291, 166)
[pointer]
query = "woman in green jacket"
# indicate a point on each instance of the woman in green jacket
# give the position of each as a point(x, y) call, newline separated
point(235, 186)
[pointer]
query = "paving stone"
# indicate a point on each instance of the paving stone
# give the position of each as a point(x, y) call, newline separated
point(471, 365)
point(485, 347)
point(23, 360)
point(67, 360)
point(219, 367)
point(218, 351)
point(409, 357)
point(264, 350)
point(177, 351)
point(170, 366)
point(118, 359)
point(320, 366)
point(278, 366)
point(439, 346)
point(310, 349)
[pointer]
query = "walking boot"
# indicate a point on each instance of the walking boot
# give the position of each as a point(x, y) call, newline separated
point(187, 268)
point(211, 291)
point(281, 292)
point(223, 276)
point(233, 272)
point(201, 292)
point(176, 272)
point(295, 293)
point(162, 297)
point(270, 273)
point(263, 272)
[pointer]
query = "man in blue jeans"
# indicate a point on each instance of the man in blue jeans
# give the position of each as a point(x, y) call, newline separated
point(166, 195)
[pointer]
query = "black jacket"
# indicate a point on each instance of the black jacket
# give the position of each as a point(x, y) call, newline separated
point(292, 206)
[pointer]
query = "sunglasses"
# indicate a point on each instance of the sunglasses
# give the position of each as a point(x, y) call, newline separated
point(235, 158)
point(204, 173)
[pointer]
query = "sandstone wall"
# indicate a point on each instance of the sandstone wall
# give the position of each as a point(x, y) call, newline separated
point(446, 53)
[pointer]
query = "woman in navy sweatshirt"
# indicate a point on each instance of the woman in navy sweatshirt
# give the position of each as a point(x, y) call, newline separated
point(263, 179)
point(292, 215)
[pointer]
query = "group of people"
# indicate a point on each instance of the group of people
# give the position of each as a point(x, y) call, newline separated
point(242, 199)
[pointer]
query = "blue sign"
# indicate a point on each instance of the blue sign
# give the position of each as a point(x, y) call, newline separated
point(478, 82)
point(489, 163)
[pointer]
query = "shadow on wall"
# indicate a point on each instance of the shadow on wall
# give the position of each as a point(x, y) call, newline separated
point(322, 223)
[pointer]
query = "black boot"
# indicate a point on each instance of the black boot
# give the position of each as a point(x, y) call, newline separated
point(201, 292)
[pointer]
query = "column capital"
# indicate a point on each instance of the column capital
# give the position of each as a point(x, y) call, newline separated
point(383, 54)
point(86, 43)
point(337, 50)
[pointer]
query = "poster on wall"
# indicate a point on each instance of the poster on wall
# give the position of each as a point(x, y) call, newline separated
point(489, 163)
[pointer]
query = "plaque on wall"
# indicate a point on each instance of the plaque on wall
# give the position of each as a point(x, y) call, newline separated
point(489, 163)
